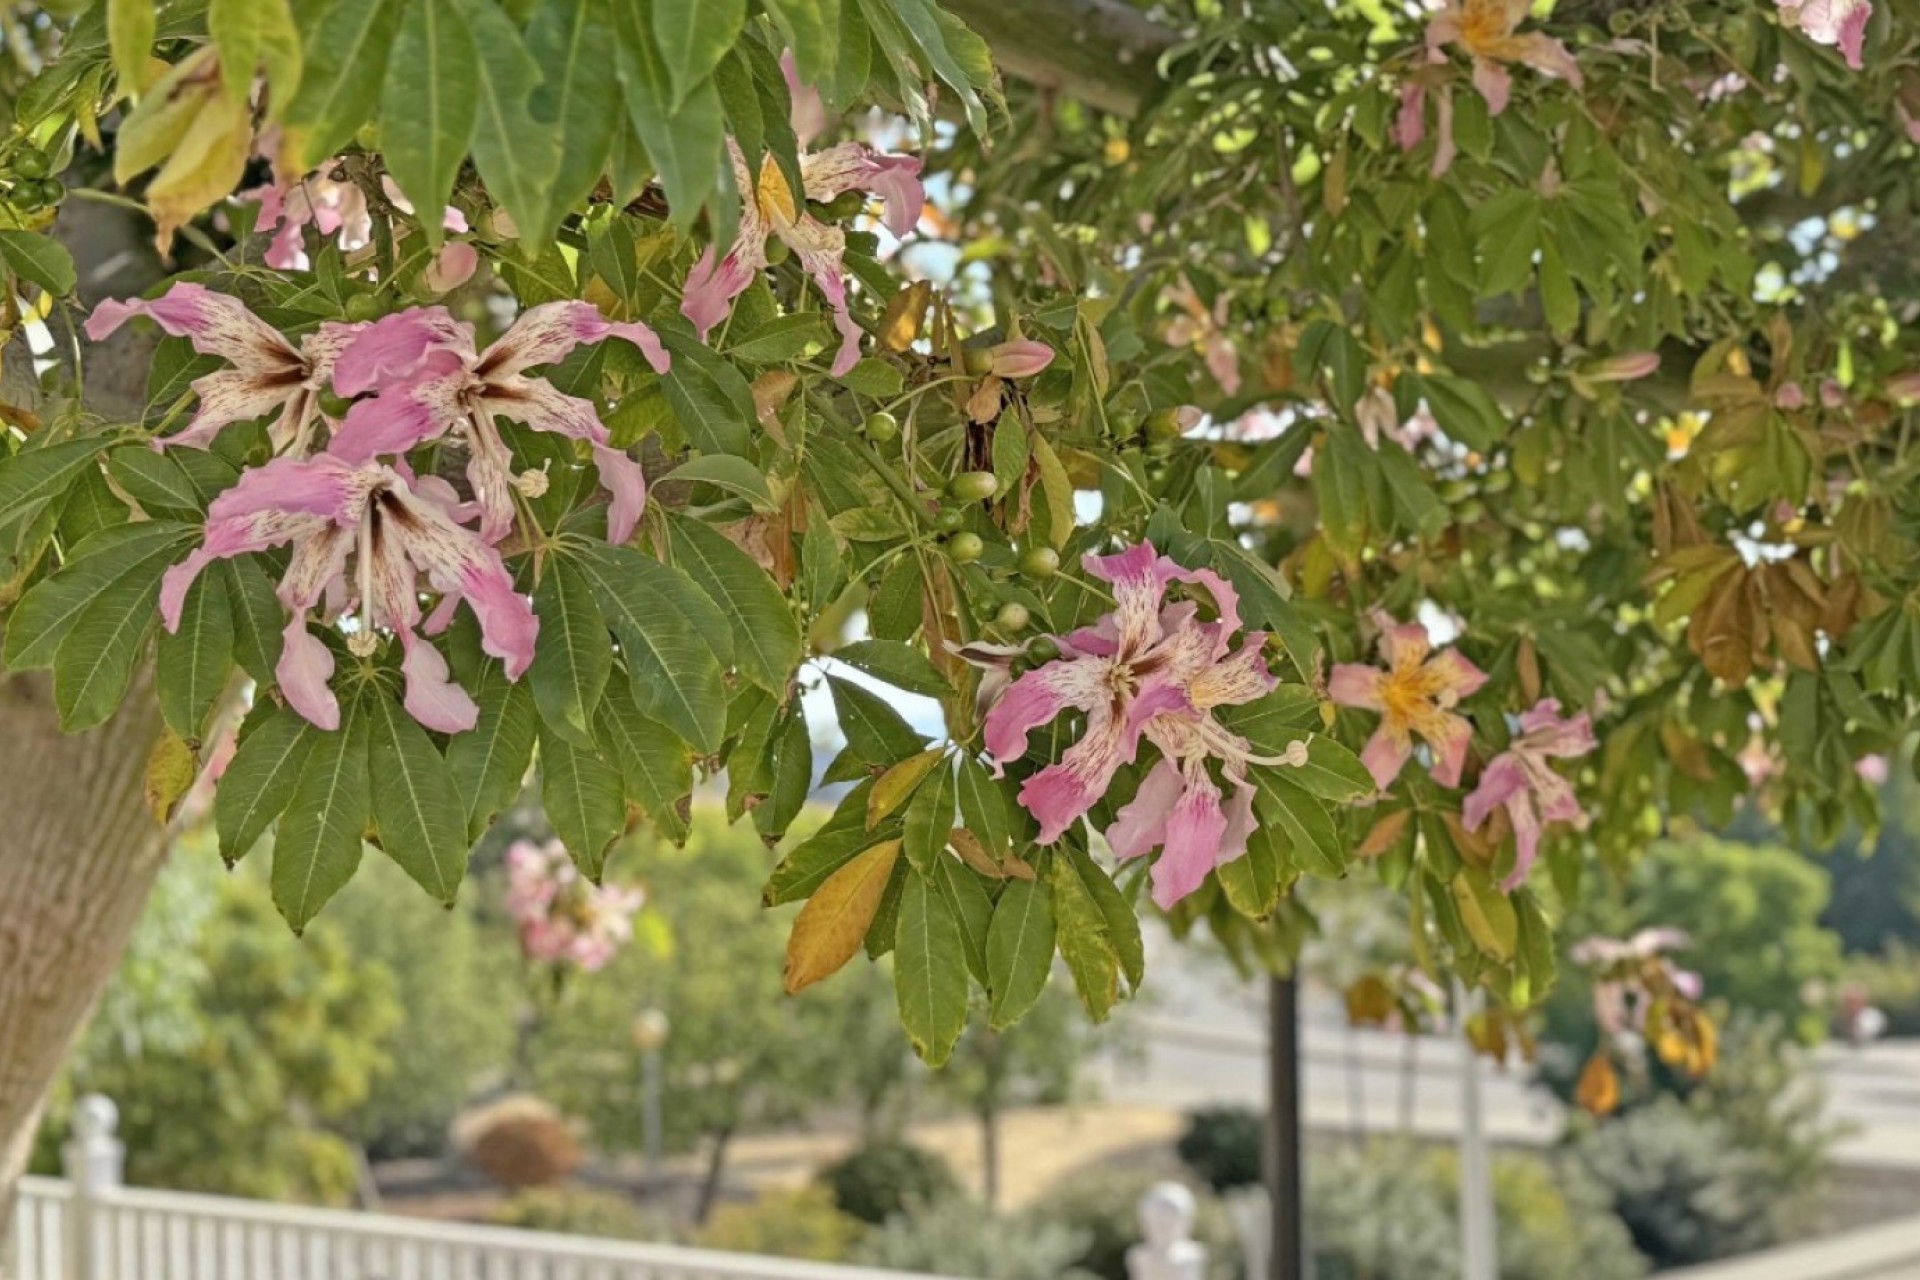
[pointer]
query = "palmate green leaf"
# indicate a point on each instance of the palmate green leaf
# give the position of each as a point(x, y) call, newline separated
point(35, 475)
point(255, 36)
point(416, 807)
point(574, 656)
point(789, 764)
point(346, 60)
point(192, 665)
point(260, 779)
point(654, 763)
point(929, 971)
point(1309, 829)
point(258, 616)
point(693, 36)
point(766, 638)
point(983, 807)
point(572, 41)
point(668, 631)
point(929, 819)
point(584, 800)
point(429, 104)
point(1331, 772)
point(40, 259)
point(163, 483)
point(876, 733)
point(726, 471)
point(811, 29)
point(1276, 719)
point(809, 863)
point(48, 612)
point(94, 663)
point(1252, 881)
point(712, 400)
point(130, 32)
point(900, 665)
point(518, 157)
point(489, 762)
point(316, 848)
point(1122, 921)
point(1081, 932)
point(1019, 951)
point(684, 139)
point(966, 892)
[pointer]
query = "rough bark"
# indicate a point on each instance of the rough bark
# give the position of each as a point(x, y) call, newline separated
point(79, 849)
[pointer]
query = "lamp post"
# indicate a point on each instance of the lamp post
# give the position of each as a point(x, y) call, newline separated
point(650, 1029)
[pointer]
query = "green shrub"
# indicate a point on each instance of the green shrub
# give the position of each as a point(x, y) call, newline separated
point(1390, 1213)
point(800, 1224)
point(959, 1237)
point(1102, 1205)
point(886, 1176)
point(580, 1211)
point(1222, 1145)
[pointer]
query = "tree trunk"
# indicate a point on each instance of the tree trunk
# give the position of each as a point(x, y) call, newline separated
point(716, 1173)
point(79, 850)
point(990, 1155)
point(77, 859)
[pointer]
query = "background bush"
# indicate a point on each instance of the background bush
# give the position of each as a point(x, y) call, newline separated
point(1101, 1205)
point(885, 1176)
point(801, 1224)
point(581, 1211)
point(1222, 1145)
point(959, 1237)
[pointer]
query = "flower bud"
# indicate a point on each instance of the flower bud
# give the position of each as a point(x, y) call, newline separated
point(1022, 359)
point(1630, 367)
point(1789, 396)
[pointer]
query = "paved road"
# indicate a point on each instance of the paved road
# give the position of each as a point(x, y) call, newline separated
point(1205, 1036)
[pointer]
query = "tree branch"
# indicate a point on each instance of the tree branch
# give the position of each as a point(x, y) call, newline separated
point(1099, 51)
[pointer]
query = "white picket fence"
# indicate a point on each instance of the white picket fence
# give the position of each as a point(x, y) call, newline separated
point(90, 1227)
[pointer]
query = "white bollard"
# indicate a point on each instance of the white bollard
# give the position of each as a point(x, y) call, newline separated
point(95, 1162)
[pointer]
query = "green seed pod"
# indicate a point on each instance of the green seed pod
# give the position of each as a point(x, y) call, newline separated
point(1039, 562)
point(973, 486)
point(1013, 616)
point(882, 427)
point(965, 548)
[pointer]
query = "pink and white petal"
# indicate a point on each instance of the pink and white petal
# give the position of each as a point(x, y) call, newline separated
point(537, 403)
point(1195, 829)
point(318, 486)
point(1526, 839)
point(1446, 147)
point(1550, 57)
point(395, 421)
point(1385, 754)
point(845, 166)
point(626, 485)
point(508, 628)
point(452, 267)
point(228, 396)
point(1449, 736)
point(175, 582)
point(896, 180)
point(217, 324)
point(1494, 82)
point(1456, 675)
point(1141, 824)
point(1410, 125)
point(1238, 678)
point(707, 297)
point(808, 115)
point(1444, 29)
point(306, 664)
point(1404, 645)
point(1355, 685)
point(321, 348)
point(1061, 793)
point(549, 332)
point(1240, 823)
point(1556, 798)
point(1504, 778)
point(432, 697)
point(317, 569)
point(405, 346)
point(1036, 698)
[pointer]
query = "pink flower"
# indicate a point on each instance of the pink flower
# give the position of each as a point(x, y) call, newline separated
point(1630, 973)
point(1628, 367)
point(1414, 693)
point(1834, 22)
point(1205, 331)
point(1872, 769)
point(431, 381)
point(338, 208)
point(1410, 125)
point(403, 539)
point(562, 918)
point(1148, 669)
point(270, 375)
point(769, 207)
point(1521, 780)
point(1485, 30)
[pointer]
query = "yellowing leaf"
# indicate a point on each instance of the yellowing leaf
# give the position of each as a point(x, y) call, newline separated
point(906, 313)
point(1487, 913)
point(830, 928)
point(204, 168)
point(1598, 1090)
point(170, 773)
point(899, 782)
point(975, 854)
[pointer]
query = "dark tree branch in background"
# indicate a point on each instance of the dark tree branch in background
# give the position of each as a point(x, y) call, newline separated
point(1099, 51)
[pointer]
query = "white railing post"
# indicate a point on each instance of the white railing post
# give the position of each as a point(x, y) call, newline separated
point(95, 1162)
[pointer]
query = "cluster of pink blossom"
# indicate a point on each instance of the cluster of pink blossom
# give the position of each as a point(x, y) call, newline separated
point(563, 918)
point(343, 491)
point(1151, 669)
point(338, 208)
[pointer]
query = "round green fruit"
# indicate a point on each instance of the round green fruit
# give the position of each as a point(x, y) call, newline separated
point(32, 164)
point(949, 520)
point(882, 427)
point(973, 486)
point(1039, 562)
point(965, 548)
point(1013, 616)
